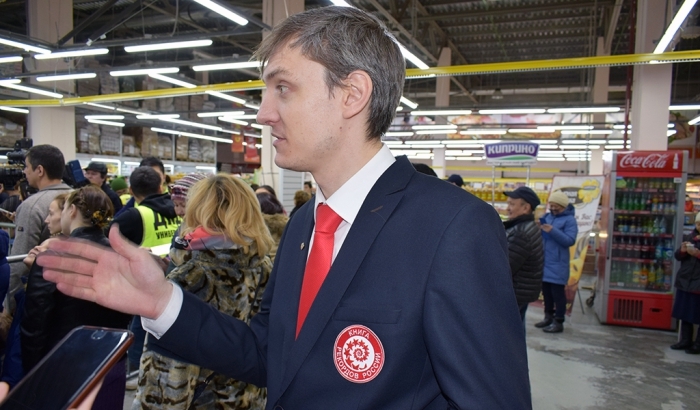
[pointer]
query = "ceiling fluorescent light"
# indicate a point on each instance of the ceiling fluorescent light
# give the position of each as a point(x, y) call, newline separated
point(580, 146)
point(227, 97)
point(484, 132)
point(11, 59)
point(130, 111)
point(157, 116)
point(412, 58)
point(193, 124)
point(398, 134)
point(168, 46)
point(435, 127)
point(592, 132)
point(442, 112)
point(172, 80)
point(227, 66)
point(73, 53)
point(13, 109)
point(341, 3)
point(676, 23)
point(24, 46)
point(621, 127)
point(423, 142)
point(694, 121)
point(435, 132)
point(543, 141)
point(258, 126)
point(224, 11)
point(684, 107)
point(580, 141)
point(232, 121)
point(63, 77)
point(582, 110)
point(514, 111)
point(567, 127)
point(408, 103)
point(144, 71)
point(399, 108)
point(253, 106)
point(231, 114)
point(530, 130)
point(104, 117)
point(189, 134)
point(14, 84)
point(107, 107)
point(554, 146)
point(112, 123)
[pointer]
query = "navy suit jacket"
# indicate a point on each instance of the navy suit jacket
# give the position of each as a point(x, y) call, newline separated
point(424, 266)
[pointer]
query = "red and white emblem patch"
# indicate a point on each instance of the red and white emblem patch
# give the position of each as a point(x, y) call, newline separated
point(358, 354)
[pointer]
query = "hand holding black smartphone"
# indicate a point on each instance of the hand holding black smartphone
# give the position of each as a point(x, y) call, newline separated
point(63, 378)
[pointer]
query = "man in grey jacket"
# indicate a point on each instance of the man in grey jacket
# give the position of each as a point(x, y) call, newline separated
point(43, 169)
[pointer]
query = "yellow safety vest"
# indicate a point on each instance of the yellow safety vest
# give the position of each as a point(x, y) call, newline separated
point(157, 229)
point(124, 198)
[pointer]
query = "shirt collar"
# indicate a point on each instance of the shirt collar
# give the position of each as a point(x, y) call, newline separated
point(347, 201)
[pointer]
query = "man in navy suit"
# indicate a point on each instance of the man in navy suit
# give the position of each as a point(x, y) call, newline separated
point(417, 309)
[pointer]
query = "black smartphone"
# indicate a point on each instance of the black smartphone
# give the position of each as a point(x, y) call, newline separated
point(63, 378)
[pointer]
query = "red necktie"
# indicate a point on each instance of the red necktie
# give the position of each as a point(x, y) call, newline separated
point(319, 262)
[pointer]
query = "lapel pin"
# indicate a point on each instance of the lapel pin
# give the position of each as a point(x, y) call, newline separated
point(302, 246)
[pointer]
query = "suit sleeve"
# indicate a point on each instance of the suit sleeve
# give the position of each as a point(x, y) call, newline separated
point(472, 328)
point(130, 225)
point(567, 236)
point(39, 303)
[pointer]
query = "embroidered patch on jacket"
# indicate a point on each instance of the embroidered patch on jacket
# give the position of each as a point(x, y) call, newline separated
point(358, 354)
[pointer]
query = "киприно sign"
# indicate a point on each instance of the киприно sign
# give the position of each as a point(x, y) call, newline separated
point(511, 153)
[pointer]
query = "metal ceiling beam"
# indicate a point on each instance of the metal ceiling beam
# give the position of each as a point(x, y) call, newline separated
point(523, 30)
point(614, 19)
point(568, 14)
point(86, 22)
point(527, 10)
point(116, 21)
point(415, 42)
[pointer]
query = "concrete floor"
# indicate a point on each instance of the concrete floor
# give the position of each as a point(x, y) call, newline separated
point(593, 366)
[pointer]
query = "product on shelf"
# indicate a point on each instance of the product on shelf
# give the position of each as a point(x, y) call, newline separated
point(108, 84)
point(208, 106)
point(165, 147)
point(110, 138)
point(195, 152)
point(196, 104)
point(129, 147)
point(208, 150)
point(9, 133)
point(182, 148)
point(146, 140)
point(181, 105)
point(128, 85)
point(643, 234)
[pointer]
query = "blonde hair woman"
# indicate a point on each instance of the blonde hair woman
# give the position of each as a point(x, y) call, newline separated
point(226, 264)
point(53, 223)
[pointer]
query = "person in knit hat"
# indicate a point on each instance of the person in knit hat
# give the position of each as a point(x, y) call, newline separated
point(559, 230)
point(119, 186)
point(179, 190)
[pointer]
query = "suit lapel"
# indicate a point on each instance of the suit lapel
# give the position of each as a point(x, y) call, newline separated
point(375, 211)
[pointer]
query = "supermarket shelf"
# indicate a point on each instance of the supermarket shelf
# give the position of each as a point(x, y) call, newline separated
point(621, 287)
point(621, 212)
point(648, 190)
point(644, 235)
point(621, 259)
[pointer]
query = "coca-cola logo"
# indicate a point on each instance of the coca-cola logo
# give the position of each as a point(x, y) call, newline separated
point(648, 161)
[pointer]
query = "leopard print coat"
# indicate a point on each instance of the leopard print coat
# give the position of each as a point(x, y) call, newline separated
point(233, 282)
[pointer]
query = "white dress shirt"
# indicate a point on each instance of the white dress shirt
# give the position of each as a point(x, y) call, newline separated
point(346, 202)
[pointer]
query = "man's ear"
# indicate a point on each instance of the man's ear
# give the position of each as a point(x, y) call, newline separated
point(40, 170)
point(356, 93)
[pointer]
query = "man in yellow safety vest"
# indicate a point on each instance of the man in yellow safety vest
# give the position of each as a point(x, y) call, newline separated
point(152, 222)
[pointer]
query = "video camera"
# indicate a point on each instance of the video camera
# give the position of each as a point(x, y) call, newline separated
point(13, 171)
point(73, 175)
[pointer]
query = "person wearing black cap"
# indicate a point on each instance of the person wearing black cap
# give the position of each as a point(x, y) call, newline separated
point(455, 179)
point(525, 248)
point(96, 173)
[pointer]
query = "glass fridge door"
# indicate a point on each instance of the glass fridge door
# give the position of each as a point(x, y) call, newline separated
point(644, 234)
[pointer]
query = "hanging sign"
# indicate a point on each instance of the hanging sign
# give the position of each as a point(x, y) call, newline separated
point(511, 153)
point(237, 144)
point(251, 152)
point(650, 161)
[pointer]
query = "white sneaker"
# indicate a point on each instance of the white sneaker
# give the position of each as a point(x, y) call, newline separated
point(132, 383)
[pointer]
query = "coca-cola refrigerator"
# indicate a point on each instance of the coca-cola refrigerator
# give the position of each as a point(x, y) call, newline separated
point(641, 226)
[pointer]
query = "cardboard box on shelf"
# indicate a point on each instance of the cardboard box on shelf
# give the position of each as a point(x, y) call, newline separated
point(110, 138)
point(195, 152)
point(9, 133)
point(128, 85)
point(165, 147)
point(152, 104)
point(209, 106)
point(196, 104)
point(146, 140)
point(108, 84)
point(181, 106)
point(208, 150)
point(88, 139)
point(182, 148)
point(129, 147)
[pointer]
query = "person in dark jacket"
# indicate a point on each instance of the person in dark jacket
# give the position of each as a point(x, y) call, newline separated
point(686, 305)
point(559, 230)
point(96, 173)
point(525, 248)
point(50, 314)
